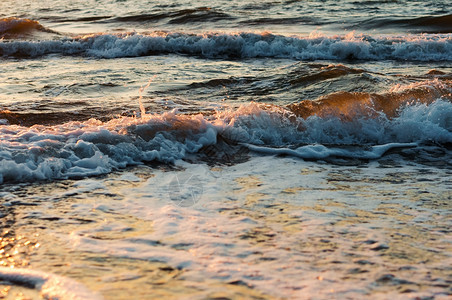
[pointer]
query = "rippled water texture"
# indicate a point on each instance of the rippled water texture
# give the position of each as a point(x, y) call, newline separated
point(303, 230)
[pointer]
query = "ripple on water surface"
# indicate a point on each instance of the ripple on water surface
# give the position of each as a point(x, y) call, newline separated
point(302, 229)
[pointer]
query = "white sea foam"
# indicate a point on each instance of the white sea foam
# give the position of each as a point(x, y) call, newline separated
point(51, 286)
point(320, 151)
point(75, 150)
point(433, 47)
point(91, 148)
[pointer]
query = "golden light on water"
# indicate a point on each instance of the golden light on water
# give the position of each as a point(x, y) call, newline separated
point(14, 250)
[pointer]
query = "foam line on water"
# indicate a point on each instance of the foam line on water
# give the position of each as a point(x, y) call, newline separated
point(321, 151)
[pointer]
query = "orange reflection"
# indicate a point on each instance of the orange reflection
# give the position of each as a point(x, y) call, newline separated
point(15, 250)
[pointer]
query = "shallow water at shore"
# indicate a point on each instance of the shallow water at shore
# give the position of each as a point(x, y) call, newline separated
point(305, 230)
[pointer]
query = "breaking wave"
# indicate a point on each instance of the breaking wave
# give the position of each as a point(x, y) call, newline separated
point(348, 105)
point(437, 47)
point(340, 125)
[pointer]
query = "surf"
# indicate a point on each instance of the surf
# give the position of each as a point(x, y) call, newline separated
point(243, 45)
point(90, 148)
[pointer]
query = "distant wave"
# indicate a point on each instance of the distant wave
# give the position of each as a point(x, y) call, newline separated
point(349, 125)
point(284, 21)
point(183, 16)
point(15, 27)
point(195, 15)
point(241, 45)
point(80, 19)
point(427, 24)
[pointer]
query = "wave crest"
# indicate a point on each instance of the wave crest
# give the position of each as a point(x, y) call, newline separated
point(15, 27)
point(242, 45)
point(348, 106)
point(80, 149)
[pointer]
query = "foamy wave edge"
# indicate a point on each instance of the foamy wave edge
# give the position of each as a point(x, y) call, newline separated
point(423, 47)
point(81, 149)
point(51, 286)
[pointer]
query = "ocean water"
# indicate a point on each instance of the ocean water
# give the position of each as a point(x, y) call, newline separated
point(226, 149)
